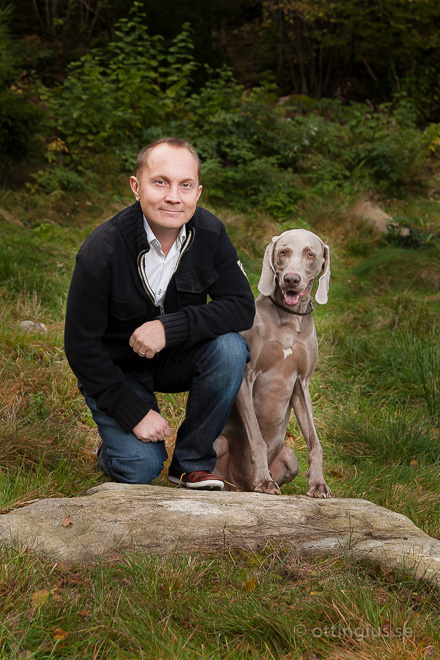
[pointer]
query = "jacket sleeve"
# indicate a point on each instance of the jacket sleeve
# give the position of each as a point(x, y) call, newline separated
point(86, 320)
point(231, 307)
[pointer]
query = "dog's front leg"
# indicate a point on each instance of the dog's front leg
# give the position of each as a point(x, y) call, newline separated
point(261, 479)
point(302, 406)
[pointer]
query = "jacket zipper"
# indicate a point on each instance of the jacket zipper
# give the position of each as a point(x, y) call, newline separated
point(141, 270)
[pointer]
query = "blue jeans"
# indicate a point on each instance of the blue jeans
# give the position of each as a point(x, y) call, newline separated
point(212, 373)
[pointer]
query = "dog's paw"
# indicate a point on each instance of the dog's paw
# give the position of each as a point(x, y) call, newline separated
point(320, 490)
point(270, 487)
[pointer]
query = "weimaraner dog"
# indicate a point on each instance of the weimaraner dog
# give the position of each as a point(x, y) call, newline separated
point(251, 452)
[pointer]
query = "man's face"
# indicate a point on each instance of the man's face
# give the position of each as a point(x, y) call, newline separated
point(167, 188)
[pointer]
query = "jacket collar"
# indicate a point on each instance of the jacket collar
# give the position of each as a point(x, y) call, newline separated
point(131, 225)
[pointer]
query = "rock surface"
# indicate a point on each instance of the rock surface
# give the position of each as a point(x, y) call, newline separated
point(28, 327)
point(155, 519)
point(373, 215)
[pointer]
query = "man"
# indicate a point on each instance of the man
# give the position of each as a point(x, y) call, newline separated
point(138, 322)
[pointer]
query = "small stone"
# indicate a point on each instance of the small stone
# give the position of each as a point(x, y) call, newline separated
point(373, 215)
point(29, 327)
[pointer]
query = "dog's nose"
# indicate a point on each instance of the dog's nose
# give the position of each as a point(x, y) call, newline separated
point(292, 279)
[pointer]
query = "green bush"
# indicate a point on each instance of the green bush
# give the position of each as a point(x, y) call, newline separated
point(112, 96)
point(404, 233)
point(256, 154)
point(20, 118)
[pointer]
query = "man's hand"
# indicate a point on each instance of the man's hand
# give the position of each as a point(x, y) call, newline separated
point(148, 339)
point(152, 427)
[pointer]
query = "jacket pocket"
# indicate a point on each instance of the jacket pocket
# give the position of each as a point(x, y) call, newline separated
point(192, 288)
point(196, 281)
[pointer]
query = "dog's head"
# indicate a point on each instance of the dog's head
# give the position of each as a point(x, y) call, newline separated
point(291, 263)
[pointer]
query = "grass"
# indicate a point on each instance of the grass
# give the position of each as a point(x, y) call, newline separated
point(266, 604)
point(376, 395)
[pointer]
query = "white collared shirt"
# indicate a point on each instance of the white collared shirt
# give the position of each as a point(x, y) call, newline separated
point(159, 268)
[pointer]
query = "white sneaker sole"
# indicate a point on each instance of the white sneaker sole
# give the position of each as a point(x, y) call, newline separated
point(212, 484)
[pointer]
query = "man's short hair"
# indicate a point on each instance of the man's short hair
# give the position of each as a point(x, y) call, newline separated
point(144, 154)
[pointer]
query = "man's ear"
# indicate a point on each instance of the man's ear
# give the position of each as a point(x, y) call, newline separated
point(199, 192)
point(134, 185)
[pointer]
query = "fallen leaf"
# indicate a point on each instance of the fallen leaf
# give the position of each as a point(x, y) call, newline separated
point(85, 612)
point(67, 521)
point(24, 655)
point(60, 634)
point(40, 597)
point(249, 585)
point(336, 474)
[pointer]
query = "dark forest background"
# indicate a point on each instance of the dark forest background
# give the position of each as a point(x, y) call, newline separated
point(348, 49)
point(302, 93)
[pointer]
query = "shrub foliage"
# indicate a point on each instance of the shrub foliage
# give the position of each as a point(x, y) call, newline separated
point(258, 154)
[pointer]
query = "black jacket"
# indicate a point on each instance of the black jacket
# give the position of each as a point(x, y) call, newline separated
point(109, 298)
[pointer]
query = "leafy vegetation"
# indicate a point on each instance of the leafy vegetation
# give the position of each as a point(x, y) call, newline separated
point(20, 120)
point(339, 48)
point(257, 154)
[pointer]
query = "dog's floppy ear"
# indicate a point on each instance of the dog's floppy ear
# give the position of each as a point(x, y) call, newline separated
point(266, 285)
point(321, 295)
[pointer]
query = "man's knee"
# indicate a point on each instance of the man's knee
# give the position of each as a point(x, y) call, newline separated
point(133, 469)
point(231, 352)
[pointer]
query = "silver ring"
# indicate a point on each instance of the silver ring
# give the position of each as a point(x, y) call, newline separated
point(140, 353)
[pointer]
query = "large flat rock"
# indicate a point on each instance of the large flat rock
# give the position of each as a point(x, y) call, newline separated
point(155, 519)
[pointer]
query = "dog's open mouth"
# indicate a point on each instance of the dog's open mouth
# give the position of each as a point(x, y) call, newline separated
point(294, 298)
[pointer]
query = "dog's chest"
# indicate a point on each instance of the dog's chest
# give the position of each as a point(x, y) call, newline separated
point(294, 359)
point(287, 357)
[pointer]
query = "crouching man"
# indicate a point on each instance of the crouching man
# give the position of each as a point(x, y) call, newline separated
point(138, 322)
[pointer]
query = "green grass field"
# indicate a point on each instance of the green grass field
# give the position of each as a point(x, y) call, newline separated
point(376, 396)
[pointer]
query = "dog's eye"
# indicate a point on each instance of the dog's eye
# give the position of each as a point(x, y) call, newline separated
point(282, 253)
point(310, 255)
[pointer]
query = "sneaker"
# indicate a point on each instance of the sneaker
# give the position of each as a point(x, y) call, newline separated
point(201, 479)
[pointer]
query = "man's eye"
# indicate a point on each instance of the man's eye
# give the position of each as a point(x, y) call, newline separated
point(160, 182)
point(187, 186)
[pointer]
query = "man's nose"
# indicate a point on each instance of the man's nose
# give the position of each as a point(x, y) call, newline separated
point(172, 195)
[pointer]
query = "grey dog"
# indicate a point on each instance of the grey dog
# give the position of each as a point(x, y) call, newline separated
point(284, 348)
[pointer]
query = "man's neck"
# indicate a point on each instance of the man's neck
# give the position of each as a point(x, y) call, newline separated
point(166, 237)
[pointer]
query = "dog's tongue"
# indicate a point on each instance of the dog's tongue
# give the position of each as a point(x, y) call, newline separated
point(291, 298)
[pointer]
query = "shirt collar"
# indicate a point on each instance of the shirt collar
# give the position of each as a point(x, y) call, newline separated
point(181, 236)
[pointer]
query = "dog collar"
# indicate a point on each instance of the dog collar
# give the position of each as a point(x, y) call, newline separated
point(310, 308)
